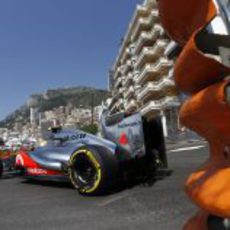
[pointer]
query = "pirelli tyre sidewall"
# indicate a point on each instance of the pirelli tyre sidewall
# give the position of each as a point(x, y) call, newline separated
point(105, 167)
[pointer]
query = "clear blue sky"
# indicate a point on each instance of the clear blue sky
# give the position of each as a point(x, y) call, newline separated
point(56, 43)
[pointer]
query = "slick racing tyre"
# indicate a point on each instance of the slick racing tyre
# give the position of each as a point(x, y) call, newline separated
point(1, 168)
point(93, 170)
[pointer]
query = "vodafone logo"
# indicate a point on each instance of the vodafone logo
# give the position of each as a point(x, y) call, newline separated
point(36, 171)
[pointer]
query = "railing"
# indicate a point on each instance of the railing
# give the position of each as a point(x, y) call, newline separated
point(148, 36)
point(160, 104)
point(156, 86)
point(155, 52)
point(130, 105)
point(128, 79)
point(160, 68)
point(117, 73)
point(129, 92)
point(118, 82)
point(145, 23)
point(127, 67)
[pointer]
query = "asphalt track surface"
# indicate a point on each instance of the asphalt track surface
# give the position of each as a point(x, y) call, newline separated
point(157, 206)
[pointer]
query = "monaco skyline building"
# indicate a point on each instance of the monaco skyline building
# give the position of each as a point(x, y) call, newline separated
point(141, 77)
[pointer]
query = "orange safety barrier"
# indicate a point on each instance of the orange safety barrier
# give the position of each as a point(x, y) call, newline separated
point(192, 70)
point(200, 73)
point(181, 18)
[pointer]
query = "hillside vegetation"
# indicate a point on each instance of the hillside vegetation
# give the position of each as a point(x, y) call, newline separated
point(77, 96)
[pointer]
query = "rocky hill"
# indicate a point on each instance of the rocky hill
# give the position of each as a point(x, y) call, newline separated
point(77, 96)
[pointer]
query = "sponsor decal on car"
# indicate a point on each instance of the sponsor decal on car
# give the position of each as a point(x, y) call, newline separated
point(36, 171)
point(135, 123)
point(70, 137)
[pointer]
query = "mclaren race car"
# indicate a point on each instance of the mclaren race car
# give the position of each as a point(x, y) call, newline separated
point(7, 160)
point(95, 164)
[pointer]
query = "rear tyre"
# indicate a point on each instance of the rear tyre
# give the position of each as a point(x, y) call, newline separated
point(93, 170)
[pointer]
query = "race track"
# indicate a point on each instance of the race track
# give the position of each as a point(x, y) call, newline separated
point(156, 206)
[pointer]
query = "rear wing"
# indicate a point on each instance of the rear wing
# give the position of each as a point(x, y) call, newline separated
point(126, 132)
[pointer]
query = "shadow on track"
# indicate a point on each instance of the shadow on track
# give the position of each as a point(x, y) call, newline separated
point(146, 181)
point(48, 183)
point(127, 183)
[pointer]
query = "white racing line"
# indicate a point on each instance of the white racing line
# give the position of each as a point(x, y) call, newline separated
point(187, 148)
point(110, 200)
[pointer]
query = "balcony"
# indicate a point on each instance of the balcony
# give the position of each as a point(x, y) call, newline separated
point(121, 91)
point(128, 80)
point(153, 72)
point(117, 72)
point(127, 67)
point(131, 106)
point(120, 103)
point(118, 82)
point(148, 38)
point(117, 106)
point(154, 107)
point(141, 11)
point(127, 53)
point(117, 93)
point(151, 54)
point(128, 93)
point(154, 89)
point(151, 4)
point(145, 24)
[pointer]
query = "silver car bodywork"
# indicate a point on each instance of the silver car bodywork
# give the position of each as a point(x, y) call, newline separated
point(62, 144)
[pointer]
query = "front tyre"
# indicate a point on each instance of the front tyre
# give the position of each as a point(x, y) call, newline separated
point(93, 170)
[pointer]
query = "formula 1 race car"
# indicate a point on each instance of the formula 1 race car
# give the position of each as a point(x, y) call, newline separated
point(95, 164)
point(7, 160)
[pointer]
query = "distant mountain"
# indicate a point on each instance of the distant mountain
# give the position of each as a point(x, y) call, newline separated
point(53, 98)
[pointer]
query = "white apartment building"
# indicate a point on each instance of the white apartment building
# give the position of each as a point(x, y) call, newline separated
point(142, 74)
